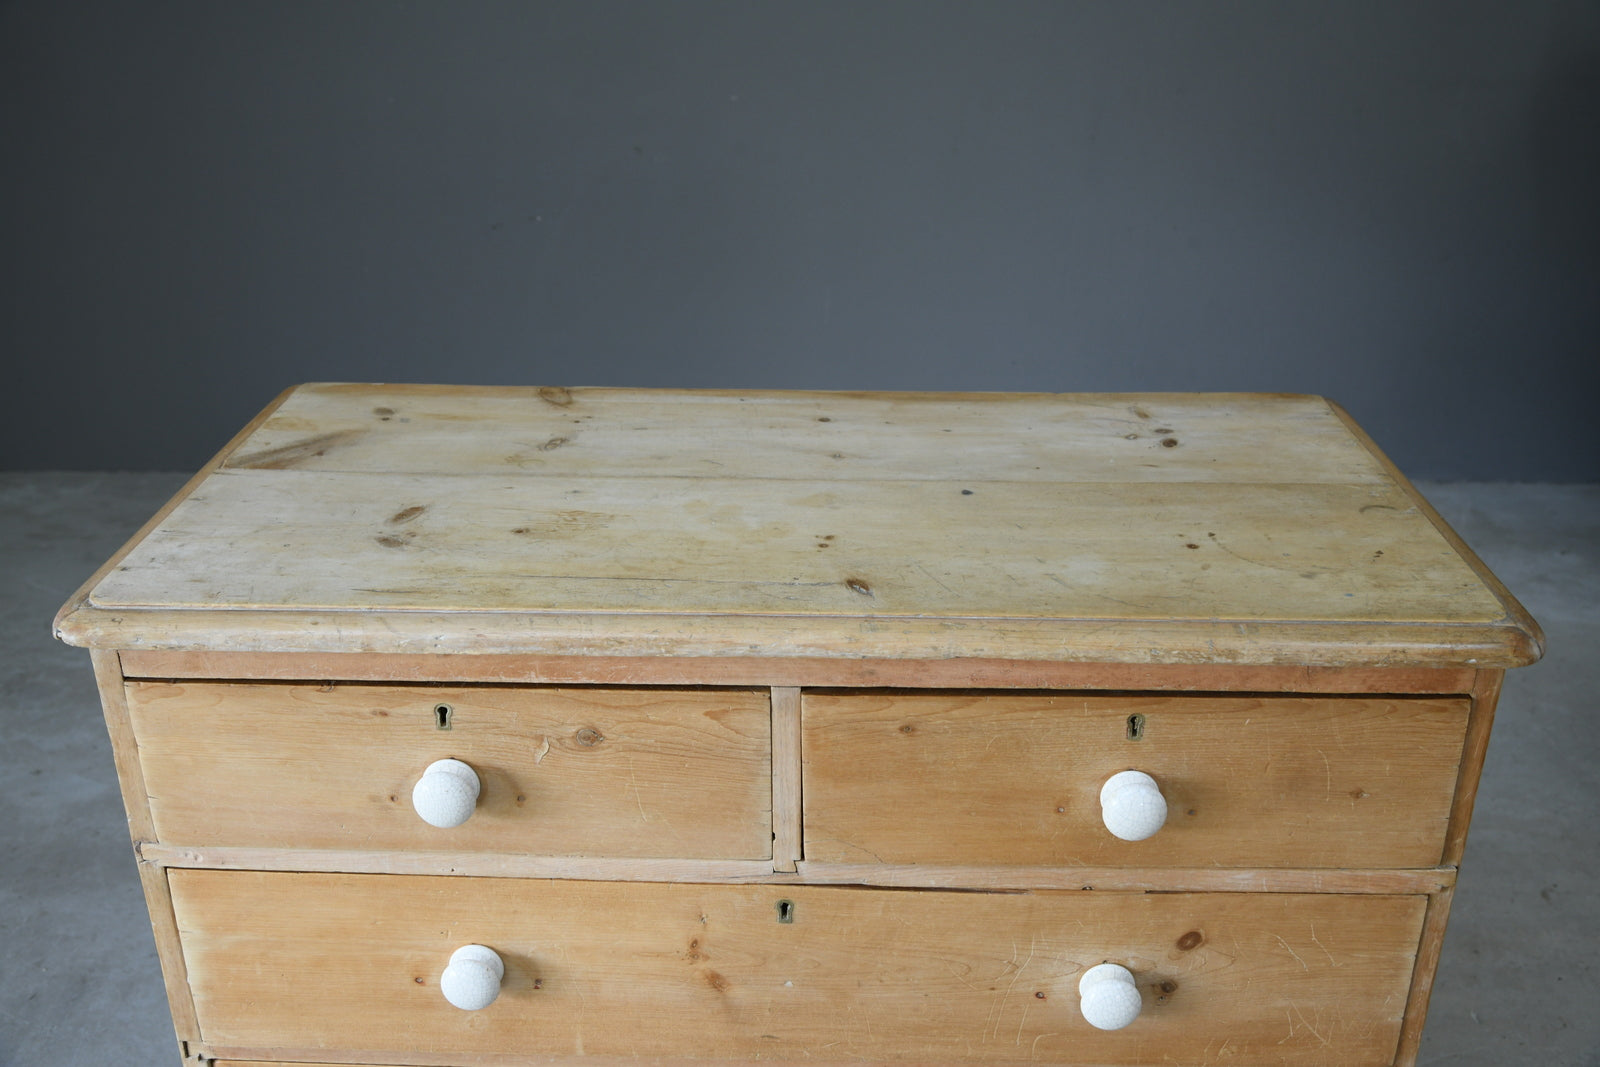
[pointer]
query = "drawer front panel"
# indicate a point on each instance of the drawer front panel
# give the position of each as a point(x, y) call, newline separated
point(563, 772)
point(948, 778)
point(307, 963)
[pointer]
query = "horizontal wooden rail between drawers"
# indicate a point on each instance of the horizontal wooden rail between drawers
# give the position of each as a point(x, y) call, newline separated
point(787, 671)
point(609, 869)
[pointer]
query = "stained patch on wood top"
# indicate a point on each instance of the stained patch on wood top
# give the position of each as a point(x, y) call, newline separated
point(293, 454)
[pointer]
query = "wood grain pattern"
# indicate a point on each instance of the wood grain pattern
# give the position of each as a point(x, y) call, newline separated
point(80, 598)
point(1514, 610)
point(595, 772)
point(783, 435)
point(1125, 878)
point(751, 670)
point(351, 962)
point(963, 778)
point(268, 1058)
point(1266, 533)
point(482, 864)
point(337, 541)
point(1154, 641)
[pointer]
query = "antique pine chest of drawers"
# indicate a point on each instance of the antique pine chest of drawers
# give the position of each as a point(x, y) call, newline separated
point(534, 726)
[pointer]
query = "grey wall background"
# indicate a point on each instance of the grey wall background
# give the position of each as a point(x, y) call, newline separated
point(1396, 204)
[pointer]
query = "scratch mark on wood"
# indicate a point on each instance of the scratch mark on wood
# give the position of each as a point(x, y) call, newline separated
point(932, 578)
point(1291, 952)
point(633, 784)
point(1307, 1023)
point(1331, 961)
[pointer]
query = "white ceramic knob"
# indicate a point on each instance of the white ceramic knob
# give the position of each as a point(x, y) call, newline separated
point(1109, 999)
point(1131, 805)
point(446, 793)
point(472, 980)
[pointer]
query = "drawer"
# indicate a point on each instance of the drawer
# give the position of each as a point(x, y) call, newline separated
point(298, 966)
point(563, 772)
point(999, 779)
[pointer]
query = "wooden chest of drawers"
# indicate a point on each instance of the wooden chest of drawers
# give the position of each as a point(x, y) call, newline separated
point(515, 726)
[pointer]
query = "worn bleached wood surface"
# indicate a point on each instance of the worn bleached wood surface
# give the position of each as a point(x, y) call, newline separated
point(964, 778)
point(803, 548)
point(351, 962)
point(564, 772)
point(580, 433)
point(1134, 529)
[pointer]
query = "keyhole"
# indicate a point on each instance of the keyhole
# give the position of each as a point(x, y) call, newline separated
point(786, 911)
point(441, 715)
point(1135, 727)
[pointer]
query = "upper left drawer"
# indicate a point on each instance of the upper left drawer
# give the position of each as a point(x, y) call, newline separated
point(563, 772)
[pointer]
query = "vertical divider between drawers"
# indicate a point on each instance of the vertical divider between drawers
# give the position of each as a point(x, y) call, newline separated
point(787, 847)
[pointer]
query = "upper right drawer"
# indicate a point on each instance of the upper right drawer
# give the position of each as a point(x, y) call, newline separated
point(1006, 779)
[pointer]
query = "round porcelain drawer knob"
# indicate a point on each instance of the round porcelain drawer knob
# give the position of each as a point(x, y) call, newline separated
point(472, 980)
point(1109, 999)
point(1131, 805)
point(446, 793)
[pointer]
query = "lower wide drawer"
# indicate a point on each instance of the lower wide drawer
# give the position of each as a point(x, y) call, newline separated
point(295, 966)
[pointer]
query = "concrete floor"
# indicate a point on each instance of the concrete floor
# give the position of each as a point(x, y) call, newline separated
point(79, 983)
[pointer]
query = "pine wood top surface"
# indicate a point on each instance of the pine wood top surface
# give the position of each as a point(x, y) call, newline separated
point(1225, 528)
